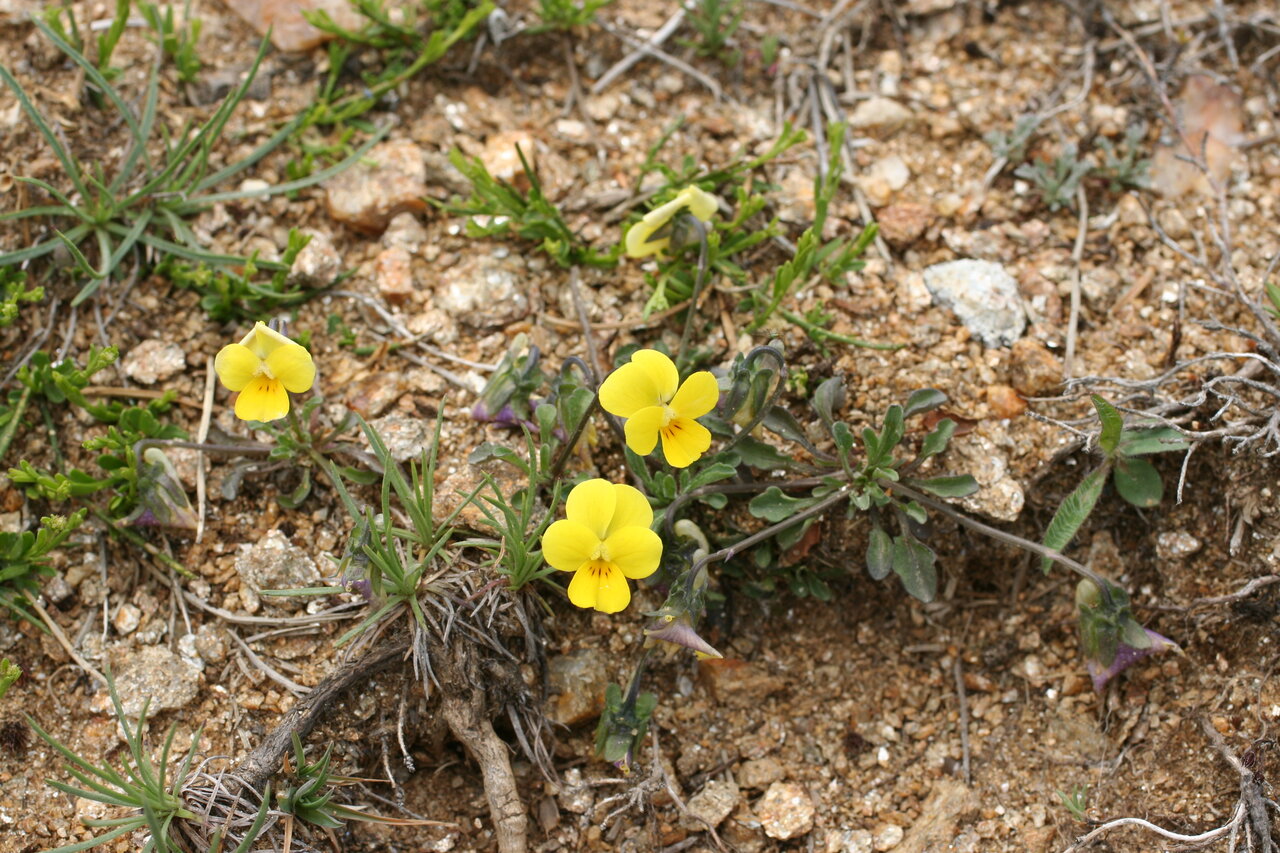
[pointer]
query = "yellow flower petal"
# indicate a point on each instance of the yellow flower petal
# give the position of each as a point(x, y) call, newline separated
point(591, 504)
point(649, 379)
point(641, 429)
point(701, 203)
point(639, 243)
point(292, 365)
point(236, 365)
point(600, 585)
point(583, 587)
point(697, 396)
point(683, 441)
point(661, 371)
point(263, 399)
point(612, 595)
point(568, 545)
point(636, 551)
point(632, 509)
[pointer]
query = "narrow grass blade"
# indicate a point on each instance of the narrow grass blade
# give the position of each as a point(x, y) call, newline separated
point(95, 76)
point(69, 164)
point(198, 203)
point(69, 208)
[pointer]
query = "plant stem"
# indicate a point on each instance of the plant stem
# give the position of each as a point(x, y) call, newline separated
point(1000, 535)
point(682, 358)
point(817, 332)
point(15, 418)
point(723, 554)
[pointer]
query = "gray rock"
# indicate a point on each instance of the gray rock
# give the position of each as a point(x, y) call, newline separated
point(155, 673)
point(575, 797)
point(577, 682)
point(276, 563)
point(715, 802)
point(856, 841)
point(888, 837)
point(1176, 544)
point(318, 263)
point(485, 290)
point(879, 117)
point(785, 811)
point(404, 232)
point(152, 360)
point(760, 773)
point(127, 619)
point(983, 295)
point(405, 437)
point(211, 643)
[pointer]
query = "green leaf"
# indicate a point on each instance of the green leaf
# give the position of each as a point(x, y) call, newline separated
point(829, 397)
point(773, 505)
point(937, 441)
point(879, 554)
point(782, 423)
point(758, 454)
point(713, 473)
point(892, 431)
point(1112, 425)
point(1138, 482)
point(913, 563)
point(844, 438)
point(958, 486)
point(1072, 513)
point(1139, 442)
point(924, 400)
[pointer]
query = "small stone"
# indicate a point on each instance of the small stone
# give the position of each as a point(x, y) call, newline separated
point(127, 619)
point(502, 159)
point(434, 325)
point(390, 179)
point(393, 271)
point(485, 290)
point(795, 197)
point(785, 811)
point(405, 437)
point(289, 30)
point(577, 682)
point(1005, 402)
point(887, 837)
point(1073, 684)
point(984, 297)
point(374, 394)
point(759, 773)
point(856, 841)
point(883, 178)
point(738, 683)
point(715, 802)
point(152, 360)
point(155, 673)
point(58, 590)
point(318, 263)
point(188, 650)
point(1176, 545)
point(903, 223)
point(211, 643)
point(214, 84)
point(575, 797)
point(405, 232)
point(1033, 370)
point(879, 117)
point(276, 563)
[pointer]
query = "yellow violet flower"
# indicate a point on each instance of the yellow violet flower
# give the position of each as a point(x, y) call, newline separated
point(647, 392)
point(640, 237)
point(264, 367)
point(605, 539)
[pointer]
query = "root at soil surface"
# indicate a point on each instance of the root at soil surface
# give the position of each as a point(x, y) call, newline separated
point(265, 760)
